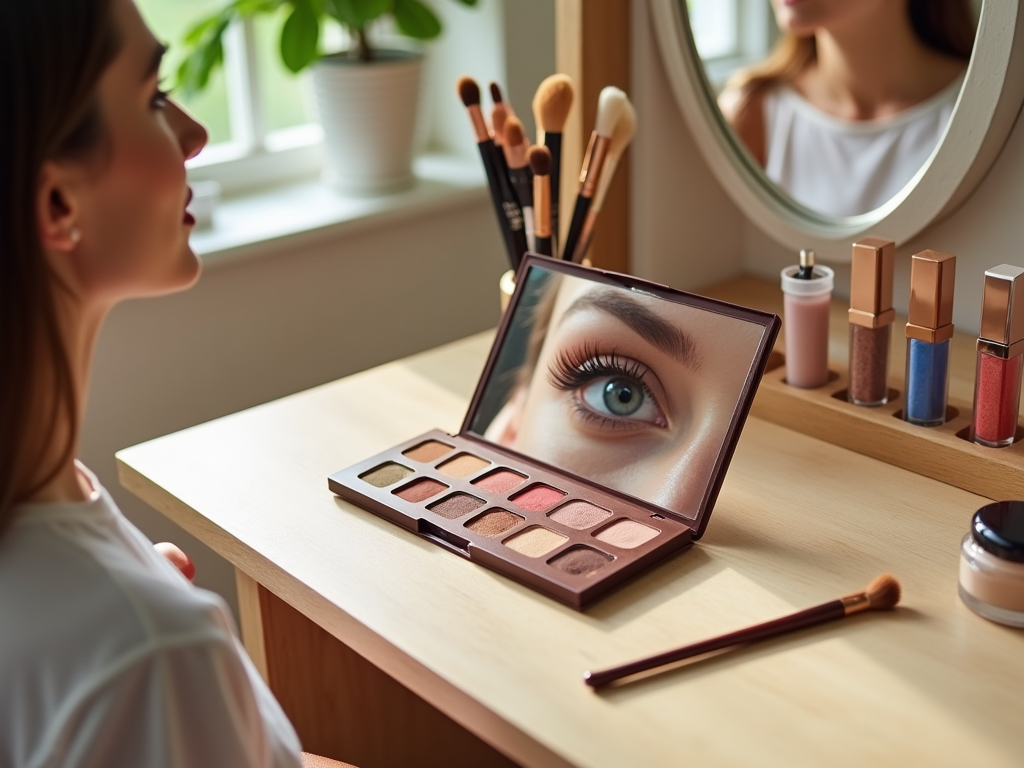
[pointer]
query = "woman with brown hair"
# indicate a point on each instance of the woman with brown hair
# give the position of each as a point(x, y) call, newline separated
point(108, 656)
point(854, 98)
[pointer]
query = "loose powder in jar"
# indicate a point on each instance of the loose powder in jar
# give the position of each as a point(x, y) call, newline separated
point(581, 560)
point(493, 523)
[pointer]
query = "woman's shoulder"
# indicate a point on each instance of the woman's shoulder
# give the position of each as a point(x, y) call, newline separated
point(743, 110)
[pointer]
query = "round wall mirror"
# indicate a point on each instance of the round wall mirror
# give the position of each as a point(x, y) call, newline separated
point(805, 171)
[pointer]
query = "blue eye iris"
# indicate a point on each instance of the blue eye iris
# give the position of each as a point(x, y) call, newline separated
point(623, 397)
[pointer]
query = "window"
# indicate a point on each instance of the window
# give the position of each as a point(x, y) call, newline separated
point(730, 34)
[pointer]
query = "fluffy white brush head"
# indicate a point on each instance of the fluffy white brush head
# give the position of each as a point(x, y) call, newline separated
point(610, 105)
point(625, 130)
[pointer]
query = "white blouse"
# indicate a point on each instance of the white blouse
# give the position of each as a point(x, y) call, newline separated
point(846, 167)
point(110, 658)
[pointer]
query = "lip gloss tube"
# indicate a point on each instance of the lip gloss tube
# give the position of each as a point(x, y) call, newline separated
point(932, 277)
point(807, 296)
point(871, 317)
point(1000, 344)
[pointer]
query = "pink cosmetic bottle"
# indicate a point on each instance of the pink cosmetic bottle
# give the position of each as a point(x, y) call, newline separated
point(807, 297)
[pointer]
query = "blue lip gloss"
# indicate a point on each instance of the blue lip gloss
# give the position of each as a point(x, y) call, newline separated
point(932, 276)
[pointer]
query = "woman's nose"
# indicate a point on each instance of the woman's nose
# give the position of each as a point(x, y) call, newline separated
point(192, 136)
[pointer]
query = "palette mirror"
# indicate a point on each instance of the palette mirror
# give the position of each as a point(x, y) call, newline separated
point(636, 392)
point(813, 170)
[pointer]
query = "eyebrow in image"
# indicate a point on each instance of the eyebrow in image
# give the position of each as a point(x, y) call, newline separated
point(154, 62)
point(645, 323)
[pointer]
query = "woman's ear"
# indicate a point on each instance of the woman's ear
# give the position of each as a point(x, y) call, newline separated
point(57, 210)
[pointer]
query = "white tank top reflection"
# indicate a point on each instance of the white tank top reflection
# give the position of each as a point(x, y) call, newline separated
point(845, 167)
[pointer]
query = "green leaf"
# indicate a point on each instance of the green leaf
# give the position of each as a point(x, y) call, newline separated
point(356, 14)
point(414, 19)
point(300, 36)
point(194, 72)
point(469, 3)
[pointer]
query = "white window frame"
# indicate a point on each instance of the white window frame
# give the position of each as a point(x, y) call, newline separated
point(756, 33)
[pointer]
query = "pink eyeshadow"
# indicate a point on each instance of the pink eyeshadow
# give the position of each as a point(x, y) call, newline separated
point(500, 481)
point(537, 497)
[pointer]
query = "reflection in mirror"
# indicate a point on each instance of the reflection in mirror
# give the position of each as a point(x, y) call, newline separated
point(622, 388)
point(840, 103)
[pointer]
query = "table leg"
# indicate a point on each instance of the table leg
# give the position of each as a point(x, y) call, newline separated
point(341, 705)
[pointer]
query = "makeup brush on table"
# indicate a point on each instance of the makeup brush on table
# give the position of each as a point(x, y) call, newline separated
point(551, 105)
point(540, 164)
point(610, 105)
point(623, 134)
point(881, 594)
point(519, 172)
point(510, 216)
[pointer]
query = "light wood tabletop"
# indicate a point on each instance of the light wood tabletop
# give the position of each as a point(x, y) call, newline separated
point(798, 522)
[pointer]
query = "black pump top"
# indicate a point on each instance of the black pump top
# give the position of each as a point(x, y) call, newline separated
point(998, 528)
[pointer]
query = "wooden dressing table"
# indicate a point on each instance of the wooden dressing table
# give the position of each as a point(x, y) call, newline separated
point(387, 651)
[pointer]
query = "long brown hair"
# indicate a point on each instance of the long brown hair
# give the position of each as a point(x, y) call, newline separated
point(52, 54)
point(946, 26)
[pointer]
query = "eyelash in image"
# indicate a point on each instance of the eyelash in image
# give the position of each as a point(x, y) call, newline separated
point(574, 369)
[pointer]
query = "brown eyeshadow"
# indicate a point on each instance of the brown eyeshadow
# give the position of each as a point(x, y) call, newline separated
point(535, 541)
point(456, 505)
point(420, 490)
point(499, 481)
point(386, 474)
point(429, 451)
point(581, 560)
point(626, 534)
point(579, 515)
point(494, 522)
point(463, 465)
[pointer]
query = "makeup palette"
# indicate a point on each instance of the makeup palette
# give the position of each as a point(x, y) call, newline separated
point(597, 439)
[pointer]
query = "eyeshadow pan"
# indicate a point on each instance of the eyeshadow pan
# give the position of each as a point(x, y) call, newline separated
point(537, 497)
point(463, 465)
point(499, 481)
point(455, 505)
point(581, 560)
point(428, 451)
point(494, 522)
point(627, 534)
point(420, 490)
point(580, 515)
point(535, 541)
point(386, 474)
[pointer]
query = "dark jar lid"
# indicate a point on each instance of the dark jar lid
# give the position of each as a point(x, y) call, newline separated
point(998, 528)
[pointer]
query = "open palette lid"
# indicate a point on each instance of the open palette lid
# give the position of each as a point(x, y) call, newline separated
point(625, 385)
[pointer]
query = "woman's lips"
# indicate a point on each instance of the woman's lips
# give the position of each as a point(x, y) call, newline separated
point(189, 219)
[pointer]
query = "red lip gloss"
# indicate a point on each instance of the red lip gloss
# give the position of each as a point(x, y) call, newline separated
point(1000, 348)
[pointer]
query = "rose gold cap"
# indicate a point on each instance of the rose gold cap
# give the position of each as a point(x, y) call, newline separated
point(1002, 312)
point(932, 276)
point(871, 282)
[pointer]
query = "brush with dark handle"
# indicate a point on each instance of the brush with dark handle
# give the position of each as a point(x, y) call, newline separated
point(551, 105)
point(883, 593)
point(540, 164)
point(553, 141)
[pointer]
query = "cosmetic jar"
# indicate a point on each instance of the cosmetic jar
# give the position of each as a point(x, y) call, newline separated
point(929, 331)
point(992, 563)
point(871, 317)
point(1000, 356)
point(806, 306)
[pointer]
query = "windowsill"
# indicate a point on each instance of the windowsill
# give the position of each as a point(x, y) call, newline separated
point(253, 224)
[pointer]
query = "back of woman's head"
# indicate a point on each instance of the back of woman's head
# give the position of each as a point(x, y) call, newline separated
point(52, 54)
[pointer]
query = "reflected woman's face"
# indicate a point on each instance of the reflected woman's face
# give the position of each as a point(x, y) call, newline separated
point(805, 17)
point(632, 391)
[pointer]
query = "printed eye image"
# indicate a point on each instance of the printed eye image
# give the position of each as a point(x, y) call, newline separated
point(621, 387)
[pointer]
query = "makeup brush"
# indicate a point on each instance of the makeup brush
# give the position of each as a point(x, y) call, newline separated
point(540, 164)
point(610, 105)
point(519, 172)
point(499, 115)
point(881, 594)
point(551, 105)
point(510, 217)
point(623, 134)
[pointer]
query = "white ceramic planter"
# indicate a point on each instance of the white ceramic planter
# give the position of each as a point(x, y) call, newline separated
point(368, 113)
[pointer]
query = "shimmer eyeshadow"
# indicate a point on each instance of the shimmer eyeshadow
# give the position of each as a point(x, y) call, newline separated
point(579, 515)
point(627, 534)
point(456, 505)
point(463, 465)
point(499, 481)
point(429, 451)
point(386, 474)
point(420, 490)
point(535, 541)
point(581, 560)
point(537, 497)
point(494, 522)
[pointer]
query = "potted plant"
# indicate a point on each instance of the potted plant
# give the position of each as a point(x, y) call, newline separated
point(367, 97)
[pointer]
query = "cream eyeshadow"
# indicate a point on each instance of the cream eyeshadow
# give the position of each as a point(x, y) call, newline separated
point(626, 534)
point(535, 541)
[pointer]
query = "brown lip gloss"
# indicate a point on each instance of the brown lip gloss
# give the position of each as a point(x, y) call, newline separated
point(1000, 348)
point(871, 317)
